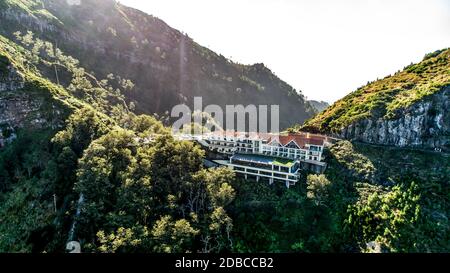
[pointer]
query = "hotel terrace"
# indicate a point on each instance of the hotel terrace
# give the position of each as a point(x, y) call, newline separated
point(276, 158)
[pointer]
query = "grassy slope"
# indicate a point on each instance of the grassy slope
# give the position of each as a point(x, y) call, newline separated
point(35, 84)
point(387, 97)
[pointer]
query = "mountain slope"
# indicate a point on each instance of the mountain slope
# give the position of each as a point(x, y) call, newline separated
point(63, 145)
point(362, 200)
point(167, 67)
point(28, 101)
point(138, 196)
point(319, 106)
point(32, 111)
point(409, 108)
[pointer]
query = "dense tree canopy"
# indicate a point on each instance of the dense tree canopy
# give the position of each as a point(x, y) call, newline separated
point(119, 182)
point(155, 193)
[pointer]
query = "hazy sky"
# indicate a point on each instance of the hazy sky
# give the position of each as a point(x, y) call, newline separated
point(326, 48)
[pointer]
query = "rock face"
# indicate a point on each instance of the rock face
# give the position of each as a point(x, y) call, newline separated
point(21, 108)
point(9, 78)
point(425, 124)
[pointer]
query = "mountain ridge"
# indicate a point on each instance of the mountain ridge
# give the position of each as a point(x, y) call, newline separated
point(167, 67)
point(409, 108)
point(319, 105)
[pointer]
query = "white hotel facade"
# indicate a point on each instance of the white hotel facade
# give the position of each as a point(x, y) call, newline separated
point(276, 158)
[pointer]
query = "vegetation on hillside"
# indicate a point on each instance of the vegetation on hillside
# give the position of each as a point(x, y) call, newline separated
point(365, 202)
point(166, 66)
point(143, 191)
point(118, 182)
point(386, 98)
point(137, 181)
point(32, 8)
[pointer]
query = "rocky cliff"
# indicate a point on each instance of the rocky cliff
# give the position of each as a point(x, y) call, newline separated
point(25, 101)
point(425, 124)
point(407, 109)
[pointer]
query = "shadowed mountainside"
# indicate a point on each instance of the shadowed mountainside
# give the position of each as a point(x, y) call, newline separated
point(166, 66)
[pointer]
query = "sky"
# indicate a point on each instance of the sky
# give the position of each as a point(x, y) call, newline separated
point(325, 48)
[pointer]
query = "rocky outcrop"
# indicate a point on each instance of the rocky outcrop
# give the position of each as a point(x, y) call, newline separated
point(28, 20)
point(10, 81)
point(9, 78)
point(425, 124)
point(20, 108)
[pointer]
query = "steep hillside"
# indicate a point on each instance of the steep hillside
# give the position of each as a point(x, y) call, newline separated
point(32, 111)
point(74, 167)
point(27, 101)
point(166, 66)
point(409, 108)
point(370, 199)
point(82, 143)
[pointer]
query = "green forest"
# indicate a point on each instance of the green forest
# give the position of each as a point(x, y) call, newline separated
point(80, 162)
point(135, 195)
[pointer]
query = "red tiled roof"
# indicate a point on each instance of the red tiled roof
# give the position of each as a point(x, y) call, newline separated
point(301, 139)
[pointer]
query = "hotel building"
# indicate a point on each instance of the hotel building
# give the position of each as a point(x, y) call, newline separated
point(276, 158)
